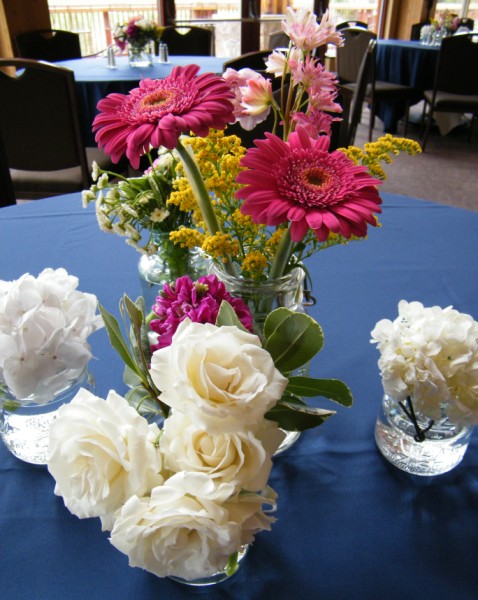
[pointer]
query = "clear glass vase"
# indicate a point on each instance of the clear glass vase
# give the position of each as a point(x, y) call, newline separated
point(262, 298)
point(215, 577)
point(25, 423)
point(140, 55)
point(442, 449)
point(166, 265)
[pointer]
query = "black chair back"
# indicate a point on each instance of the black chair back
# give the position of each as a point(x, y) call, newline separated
point(250, 60)
point(40, 125)
point(346, 24)
point(457, 67)
point(182, 41)
point(466, 22)
point(456, 81)
point(365, 77)
point(416, 29)
point(7, 193)
point(350, 55)
point(278, 39)
point(48, 44)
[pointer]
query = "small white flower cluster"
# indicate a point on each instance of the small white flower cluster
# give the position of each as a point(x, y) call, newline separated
point(178, 502)
point(430, 354)
point(44, 324)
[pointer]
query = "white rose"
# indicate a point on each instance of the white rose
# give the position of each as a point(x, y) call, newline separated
point(219, 373)
point(101, 453)
point(242, 458)
point(247, 510)
point(181, 530)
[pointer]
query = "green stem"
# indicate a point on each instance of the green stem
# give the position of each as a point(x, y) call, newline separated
point(281, 258)
point(409, 410)
point(202, 197)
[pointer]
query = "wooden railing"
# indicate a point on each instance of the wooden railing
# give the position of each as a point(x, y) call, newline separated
point(96, 25)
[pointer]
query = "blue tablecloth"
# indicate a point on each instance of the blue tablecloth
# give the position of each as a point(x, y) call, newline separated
point(407, 63)
point(350, 526)
point(95, 80)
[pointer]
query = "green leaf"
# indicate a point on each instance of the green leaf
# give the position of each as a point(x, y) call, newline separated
point(139, 398)
point(138, 336)
point(130, 378)
point(333, 389)
point(294, 415)
point(135, 314)
point(116, 338)
point(227, 316)
point(291, 338)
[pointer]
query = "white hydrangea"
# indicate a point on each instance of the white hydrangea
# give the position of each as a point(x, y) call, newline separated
point(44, 325)
point(431, 354)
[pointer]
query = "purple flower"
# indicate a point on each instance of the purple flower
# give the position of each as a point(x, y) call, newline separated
point(198, 300)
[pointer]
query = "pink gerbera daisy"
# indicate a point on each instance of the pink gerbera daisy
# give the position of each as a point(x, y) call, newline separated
point(301, 182)
point(160, 110)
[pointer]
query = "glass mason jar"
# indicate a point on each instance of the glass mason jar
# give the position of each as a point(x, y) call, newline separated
point(168, 263)
point(442, 448)
point(262, 298)
point(216, 577)
point(25, 423)
point(140, 55)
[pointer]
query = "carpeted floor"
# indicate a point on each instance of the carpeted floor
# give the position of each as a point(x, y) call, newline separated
point(447, 172)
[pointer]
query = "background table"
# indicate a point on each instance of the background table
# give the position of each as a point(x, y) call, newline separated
point(350, 526)
point(407, 63)
point(95, 80)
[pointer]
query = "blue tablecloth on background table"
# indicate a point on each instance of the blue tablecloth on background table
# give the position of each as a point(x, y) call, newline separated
point(94, 80)
point(407, 63)
point(350, 526)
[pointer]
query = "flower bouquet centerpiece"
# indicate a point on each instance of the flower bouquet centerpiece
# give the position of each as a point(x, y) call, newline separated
point(261, 212)
point(444, 25)
point(429, 367)
point(45, 322)
point(138, 35)
point(185, 499)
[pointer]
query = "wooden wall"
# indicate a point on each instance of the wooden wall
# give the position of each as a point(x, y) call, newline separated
point(400, 15)
point(17, 16)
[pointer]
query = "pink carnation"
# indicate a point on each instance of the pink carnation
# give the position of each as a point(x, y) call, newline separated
point(199, 301)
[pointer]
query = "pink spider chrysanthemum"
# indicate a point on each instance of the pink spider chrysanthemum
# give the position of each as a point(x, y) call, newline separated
point(304, 31)
point(300, 182)
point(158, 111)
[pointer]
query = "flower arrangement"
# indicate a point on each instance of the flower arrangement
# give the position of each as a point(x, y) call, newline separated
point(44, 325)
point(183, 501)
point(429, 357)
point(446, 21)
point(138, 208)
point(137, 32)
point(312, 197)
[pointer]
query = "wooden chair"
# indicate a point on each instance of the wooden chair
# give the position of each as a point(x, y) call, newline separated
point(349, 61)
point(41, 132)
point(456, 81)
point(48, 44)
point(186, 40)
point(352, 100)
